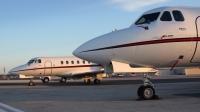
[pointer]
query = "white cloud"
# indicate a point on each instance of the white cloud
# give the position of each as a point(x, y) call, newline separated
point(131, 5)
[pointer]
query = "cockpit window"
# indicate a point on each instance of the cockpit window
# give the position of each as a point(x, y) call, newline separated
point(34, 61)
point(31, 61)
point(178, 16)
point(148, 18)
point(39, 61)
point(166, 16)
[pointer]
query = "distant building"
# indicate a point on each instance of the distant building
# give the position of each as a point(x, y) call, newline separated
point(191, 71)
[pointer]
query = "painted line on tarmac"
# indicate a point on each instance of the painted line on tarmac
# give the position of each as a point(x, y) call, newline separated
point(2, 110)
point(12, 109)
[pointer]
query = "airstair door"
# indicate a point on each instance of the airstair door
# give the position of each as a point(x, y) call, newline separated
point(196, 55)
point(47, 68)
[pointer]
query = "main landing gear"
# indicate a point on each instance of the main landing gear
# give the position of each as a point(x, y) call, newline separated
point(63, 79)
point(31, 83)
point(146, 91)
point(96, 81)
point(45, 80)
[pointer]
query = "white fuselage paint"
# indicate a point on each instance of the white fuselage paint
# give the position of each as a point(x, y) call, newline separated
point(160, 46)
point(56, 66)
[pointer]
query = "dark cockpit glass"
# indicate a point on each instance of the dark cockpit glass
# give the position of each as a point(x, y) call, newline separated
point(34, 61)
point(147, 18)
point(31, 61)
point(178, 16)
point(39, 61)
point(166, 16)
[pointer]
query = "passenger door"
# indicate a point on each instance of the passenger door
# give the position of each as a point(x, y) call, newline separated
point(48, 68)
point(196, 55)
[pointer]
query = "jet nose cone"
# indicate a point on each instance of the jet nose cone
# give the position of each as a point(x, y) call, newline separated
point(77, 52)
point(95, 50)
point(14, 71)
point(81, 51)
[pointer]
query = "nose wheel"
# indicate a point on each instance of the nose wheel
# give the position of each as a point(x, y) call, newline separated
point(146, 91)
point(31, 83)
point(87, 81)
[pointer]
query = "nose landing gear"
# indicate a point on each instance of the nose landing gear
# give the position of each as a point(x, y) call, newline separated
point(87, 81)
point(31, 83)
point(146, 91)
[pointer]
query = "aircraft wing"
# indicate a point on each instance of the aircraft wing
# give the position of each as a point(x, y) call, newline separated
point(82, 74)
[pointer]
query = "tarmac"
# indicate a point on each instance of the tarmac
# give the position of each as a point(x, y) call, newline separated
point(178, 93)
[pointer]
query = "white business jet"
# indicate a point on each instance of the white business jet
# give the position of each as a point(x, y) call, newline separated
point(65, 67)
point(161, 38)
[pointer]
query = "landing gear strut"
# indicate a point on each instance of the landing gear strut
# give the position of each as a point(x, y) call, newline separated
point(146, 91)
point(31, 83)
point(87, 81)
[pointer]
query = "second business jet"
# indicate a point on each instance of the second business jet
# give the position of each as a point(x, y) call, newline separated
point(64, 67)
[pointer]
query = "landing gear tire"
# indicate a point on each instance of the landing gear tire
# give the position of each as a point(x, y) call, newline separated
point(96, 81)
point(147, 92)
point(139, 91)
point(63, 79)
point(31, 83)
point(46, 80)
point(87, 81)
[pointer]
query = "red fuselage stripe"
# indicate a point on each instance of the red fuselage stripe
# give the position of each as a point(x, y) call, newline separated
point(191, 39)
point(80, 66)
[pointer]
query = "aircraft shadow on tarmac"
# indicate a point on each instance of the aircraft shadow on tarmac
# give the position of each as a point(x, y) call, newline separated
point(104, 82)
point(189, 95)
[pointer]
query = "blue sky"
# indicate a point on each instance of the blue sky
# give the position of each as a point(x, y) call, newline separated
point(32, 28)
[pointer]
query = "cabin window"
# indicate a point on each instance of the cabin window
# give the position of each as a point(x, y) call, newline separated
point(67, 62)
point(35, 61)
point(39, 61)
point(83, 62)
point(61, 62)
point(166, 16)
point(148, 18)
point(72, 62)
point(88, 62)
point(178, 16)
point(77, 62)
